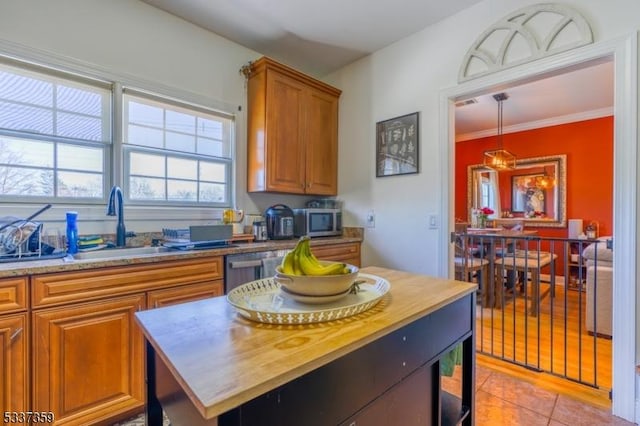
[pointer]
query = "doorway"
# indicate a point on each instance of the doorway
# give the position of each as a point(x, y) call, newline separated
point(623, 53)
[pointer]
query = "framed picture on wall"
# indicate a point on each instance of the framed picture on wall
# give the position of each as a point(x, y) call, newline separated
point(397, 145)
point(526, 197)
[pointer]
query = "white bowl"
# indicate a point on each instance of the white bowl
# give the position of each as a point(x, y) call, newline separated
point(317, 285)
point(313, 300)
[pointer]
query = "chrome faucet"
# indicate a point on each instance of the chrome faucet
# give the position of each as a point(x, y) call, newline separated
point(121, 232)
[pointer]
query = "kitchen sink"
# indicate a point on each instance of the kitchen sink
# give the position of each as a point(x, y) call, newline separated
point(119, 252)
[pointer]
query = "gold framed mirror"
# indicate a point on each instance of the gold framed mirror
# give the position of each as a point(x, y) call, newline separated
point(534, 191)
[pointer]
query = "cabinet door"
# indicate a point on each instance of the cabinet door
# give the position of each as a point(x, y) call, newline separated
point(187, 293)
point(349, 253)
point(321, 143)
point(13, 295)
point(410, 402)
point(285, 146)
point(88, 365)
point(14, 386)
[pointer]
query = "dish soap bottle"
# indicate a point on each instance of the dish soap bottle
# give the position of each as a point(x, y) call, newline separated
point(72, 232)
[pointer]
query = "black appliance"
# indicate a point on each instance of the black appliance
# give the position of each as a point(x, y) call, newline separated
point(279, 220)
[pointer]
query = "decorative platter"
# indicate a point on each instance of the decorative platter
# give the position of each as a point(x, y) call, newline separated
point(263, 301)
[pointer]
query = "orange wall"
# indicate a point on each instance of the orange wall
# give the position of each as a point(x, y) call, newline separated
point(588, 146)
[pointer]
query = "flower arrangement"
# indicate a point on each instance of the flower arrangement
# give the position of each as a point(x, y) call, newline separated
point(483, 215)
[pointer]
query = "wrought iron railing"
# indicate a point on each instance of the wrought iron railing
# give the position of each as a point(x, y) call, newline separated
point(540, 302)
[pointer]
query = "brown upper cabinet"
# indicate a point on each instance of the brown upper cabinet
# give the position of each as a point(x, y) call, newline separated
point(292, 131)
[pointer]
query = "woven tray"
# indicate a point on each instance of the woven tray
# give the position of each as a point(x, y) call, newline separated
point(263, 301)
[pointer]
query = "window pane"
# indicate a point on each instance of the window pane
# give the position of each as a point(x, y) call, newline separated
point(209, 128)
point(146, 115)
point(213, 172)
point(26, 118)
point(212, 148)
point(22, 88)
point(146, 189)
point(212, 193)
point(192, 141)
point(147, 165)
point(78, 100)
point(180, 142)
point(79, 127)
point(25, 182)
point(26, 152)
point(72, 184)
point(145, 136)
point(182, 168)
point(80, 158)
point(180, 122)
point(58, 108)
point(180, 190)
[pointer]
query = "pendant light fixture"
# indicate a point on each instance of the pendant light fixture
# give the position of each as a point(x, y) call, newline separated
point(500, 159)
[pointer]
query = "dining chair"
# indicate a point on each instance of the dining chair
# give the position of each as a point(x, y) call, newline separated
point(468, 266)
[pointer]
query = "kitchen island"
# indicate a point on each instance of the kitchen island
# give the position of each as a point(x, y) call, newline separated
point(208, 365)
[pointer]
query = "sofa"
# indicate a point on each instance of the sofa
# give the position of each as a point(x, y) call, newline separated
point(599, 263)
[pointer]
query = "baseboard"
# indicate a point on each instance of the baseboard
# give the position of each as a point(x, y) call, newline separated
point(638, 394)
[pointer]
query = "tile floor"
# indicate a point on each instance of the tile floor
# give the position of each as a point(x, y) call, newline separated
point(504, 400)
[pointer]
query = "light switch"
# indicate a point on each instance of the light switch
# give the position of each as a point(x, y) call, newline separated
point(433, 221)
point(371, 219)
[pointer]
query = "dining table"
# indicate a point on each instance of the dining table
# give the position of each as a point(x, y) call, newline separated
point(500, 247)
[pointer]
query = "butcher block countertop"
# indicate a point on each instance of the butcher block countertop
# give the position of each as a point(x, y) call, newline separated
point(222, 360)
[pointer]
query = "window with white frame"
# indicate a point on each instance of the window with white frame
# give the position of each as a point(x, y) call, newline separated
point(56, 142)
point(55, 135)
point(175, 152)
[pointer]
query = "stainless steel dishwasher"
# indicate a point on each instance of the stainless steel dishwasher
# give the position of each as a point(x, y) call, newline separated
point(243, 268)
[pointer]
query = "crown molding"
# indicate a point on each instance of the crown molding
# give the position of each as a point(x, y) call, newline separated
point(547, 122)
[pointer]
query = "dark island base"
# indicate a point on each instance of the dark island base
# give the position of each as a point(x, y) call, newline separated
point(393, 380)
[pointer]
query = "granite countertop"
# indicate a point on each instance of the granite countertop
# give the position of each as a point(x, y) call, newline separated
point(30, 267)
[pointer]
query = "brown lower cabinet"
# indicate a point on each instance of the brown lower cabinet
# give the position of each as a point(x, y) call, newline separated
point(89, 361)
point(14, 349)
point(76, 350)
point(88, 358)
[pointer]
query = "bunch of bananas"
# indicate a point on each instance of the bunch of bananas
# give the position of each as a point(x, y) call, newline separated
point(300, 261)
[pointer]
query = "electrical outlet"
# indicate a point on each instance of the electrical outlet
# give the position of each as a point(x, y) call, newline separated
point(371, 219)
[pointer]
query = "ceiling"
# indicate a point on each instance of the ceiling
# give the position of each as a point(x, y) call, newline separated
point(319, 37)
point(576, 95)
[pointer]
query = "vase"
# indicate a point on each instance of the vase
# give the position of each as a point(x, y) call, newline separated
point(482, 222)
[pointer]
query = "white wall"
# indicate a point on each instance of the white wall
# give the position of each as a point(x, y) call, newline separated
point(407, 77)
point(132, 39)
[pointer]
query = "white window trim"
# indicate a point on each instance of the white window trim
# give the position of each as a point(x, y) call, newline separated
point(132, 213)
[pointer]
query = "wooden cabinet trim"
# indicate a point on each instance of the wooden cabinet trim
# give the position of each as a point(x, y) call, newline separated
point(188, 293)
point(266, 63)
point(62, 288)
point(292, 131)
point(72, 328)
point(14, 356)
point(346, 252)
point(13, 295)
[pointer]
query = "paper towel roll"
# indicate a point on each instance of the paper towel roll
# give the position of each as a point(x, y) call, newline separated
point(575, 228)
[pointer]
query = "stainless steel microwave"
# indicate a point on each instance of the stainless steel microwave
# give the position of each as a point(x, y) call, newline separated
point(317, 222)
